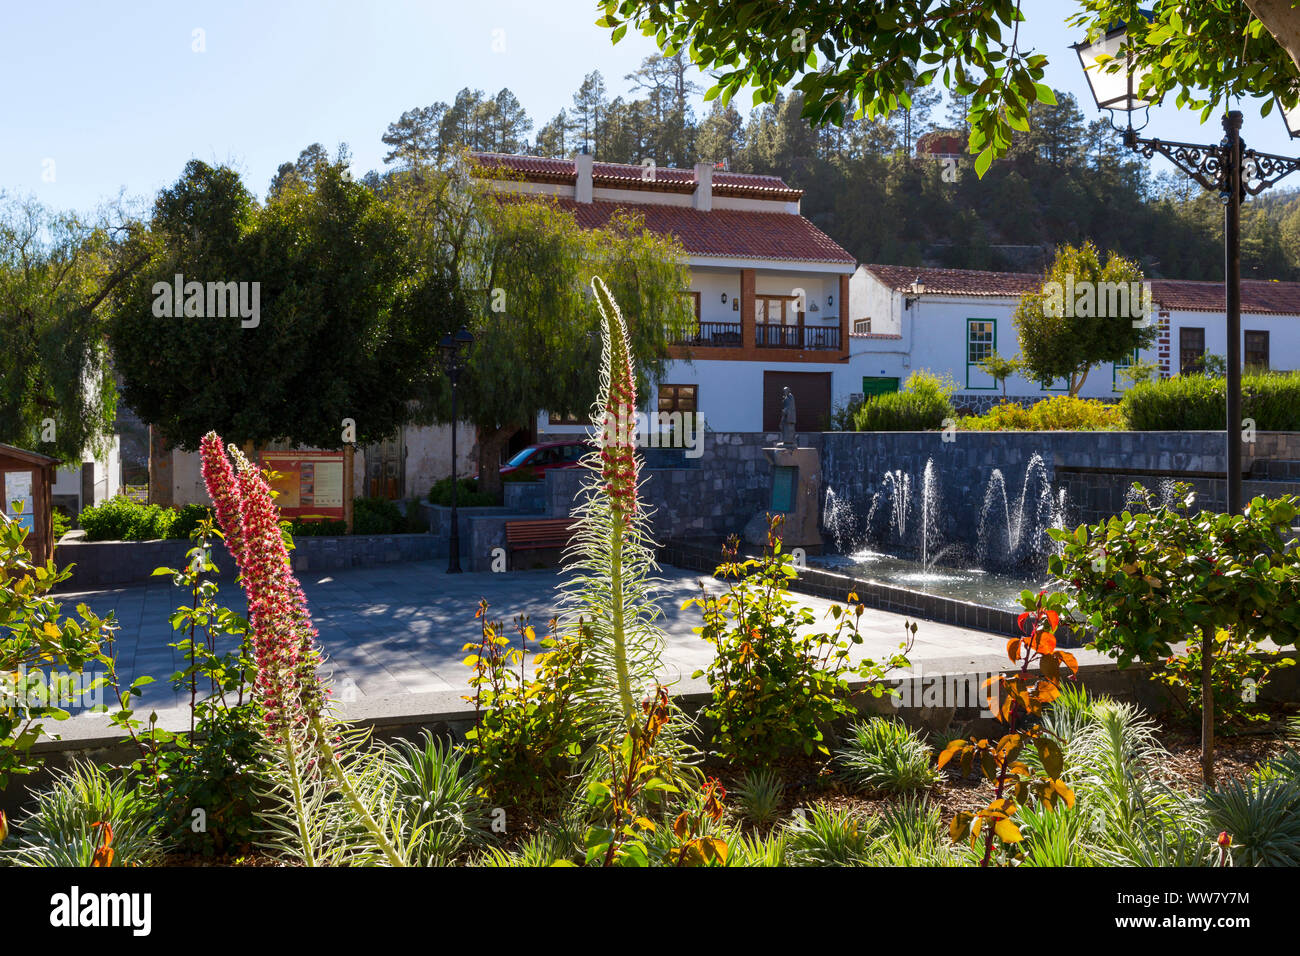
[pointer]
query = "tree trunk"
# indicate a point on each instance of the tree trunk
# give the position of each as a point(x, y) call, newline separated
point(1282, 21)
point(1207, 707)
point(491, 443)
point(160, 469)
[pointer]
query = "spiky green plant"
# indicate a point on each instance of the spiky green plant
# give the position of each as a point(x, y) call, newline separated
point(758, 796)
point(1263, 820)
point(61, 828)
point(611, 559)
point(882, 755)
point(910, 834)
point(830, 836)
point(443, 809)
point(750, 849)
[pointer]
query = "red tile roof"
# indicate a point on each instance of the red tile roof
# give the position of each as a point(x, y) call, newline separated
point(626, 176)
point(1258, 296)
point(723, 232)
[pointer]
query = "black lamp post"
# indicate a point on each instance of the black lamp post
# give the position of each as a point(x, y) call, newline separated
point(452, 349)
point(1229, 168)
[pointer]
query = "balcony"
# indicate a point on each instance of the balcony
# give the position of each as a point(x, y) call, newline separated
point(802, 337)
point(718, 335)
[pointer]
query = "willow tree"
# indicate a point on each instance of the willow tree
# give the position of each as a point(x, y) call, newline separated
point(57, 392)
point(525, 266)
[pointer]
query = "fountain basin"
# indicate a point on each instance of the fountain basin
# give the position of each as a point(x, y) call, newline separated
point(989, 588)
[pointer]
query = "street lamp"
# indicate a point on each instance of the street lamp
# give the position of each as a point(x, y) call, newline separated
point(1229, 169)
point(452, 349)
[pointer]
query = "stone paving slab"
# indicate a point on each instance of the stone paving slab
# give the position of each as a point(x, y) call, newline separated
point(399, 629)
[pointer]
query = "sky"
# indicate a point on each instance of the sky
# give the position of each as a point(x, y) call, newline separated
point(114, 98)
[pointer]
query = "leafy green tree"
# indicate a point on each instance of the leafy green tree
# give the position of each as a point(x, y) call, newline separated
point(57, 391)
point(1001, 369)
point(1084, 314)
point(864, 59)
point(526, 266)
point(334, 339)
point(1145, 582)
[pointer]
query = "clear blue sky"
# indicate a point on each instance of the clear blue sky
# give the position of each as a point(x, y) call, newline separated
point(115, 95)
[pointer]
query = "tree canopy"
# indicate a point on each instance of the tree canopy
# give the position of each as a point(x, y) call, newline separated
point(333, 339)
point(57, 391)
point(1086, 313)
point(866, 59)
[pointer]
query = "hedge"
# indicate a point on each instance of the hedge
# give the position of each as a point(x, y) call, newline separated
point(1058, 413)
point(922, 405)
point(1199, 403)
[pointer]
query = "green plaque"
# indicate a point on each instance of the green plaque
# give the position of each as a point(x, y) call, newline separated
point(783, 484)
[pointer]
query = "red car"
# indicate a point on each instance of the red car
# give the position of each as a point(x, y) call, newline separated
point(546, 456)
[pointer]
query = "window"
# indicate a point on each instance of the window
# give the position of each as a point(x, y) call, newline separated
point(776, 309)
point(981, 342)
point(1191, 350)
point(695, 304)
point(1115, 380)
point(679, 398)
point(861, 325)
point(1256, 349)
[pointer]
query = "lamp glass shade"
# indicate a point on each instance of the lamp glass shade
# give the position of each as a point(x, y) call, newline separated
point(1292, 118)
point(1115, 90)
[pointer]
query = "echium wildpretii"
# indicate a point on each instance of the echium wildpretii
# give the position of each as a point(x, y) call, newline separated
point(284, 639)
point(612, 557)
point(288, 683)
point(618, 461)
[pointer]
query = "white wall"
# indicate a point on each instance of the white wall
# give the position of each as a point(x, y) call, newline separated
point(934, 338)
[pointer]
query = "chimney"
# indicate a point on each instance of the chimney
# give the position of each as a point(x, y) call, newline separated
point(703, 186)
point(582, 188)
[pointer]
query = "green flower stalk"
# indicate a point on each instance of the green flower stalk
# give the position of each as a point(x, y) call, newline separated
point(612, 556)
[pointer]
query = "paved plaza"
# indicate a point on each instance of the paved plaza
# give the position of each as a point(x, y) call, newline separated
point(395, 631)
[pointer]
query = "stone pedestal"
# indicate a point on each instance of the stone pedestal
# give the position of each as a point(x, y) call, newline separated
point(796, 494)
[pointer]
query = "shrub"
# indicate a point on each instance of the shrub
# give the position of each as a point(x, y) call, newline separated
point(440, 797)
point(77, 814)
point(62, 524)
point(776, 683)
point(882, 755)
point(41, 652)
point(1199, 403)
point(467, 494)
point(758, 797)
point(317, 529)
point(923, 404)
point(1058, 413)
point(187, 520)
point(376, 516)
point(122, 519)
point(1262, 818)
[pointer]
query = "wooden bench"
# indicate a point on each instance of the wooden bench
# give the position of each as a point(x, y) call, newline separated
point(538, 534)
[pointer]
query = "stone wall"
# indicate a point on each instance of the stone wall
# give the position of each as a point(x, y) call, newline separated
point(708, 497)
point(1096, 468)
point(101, 564)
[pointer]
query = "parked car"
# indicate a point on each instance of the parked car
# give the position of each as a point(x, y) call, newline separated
point(546, 456)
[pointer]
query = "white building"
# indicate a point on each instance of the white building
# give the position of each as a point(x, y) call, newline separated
point(906, 318)
point(770, 289)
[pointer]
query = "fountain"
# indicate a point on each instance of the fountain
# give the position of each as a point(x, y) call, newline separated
point(1011, 537)
point(907, 536)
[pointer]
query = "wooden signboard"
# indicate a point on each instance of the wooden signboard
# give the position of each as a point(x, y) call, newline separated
point(313, 485)
point(26, 478)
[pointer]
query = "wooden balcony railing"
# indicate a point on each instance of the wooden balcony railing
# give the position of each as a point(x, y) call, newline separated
point(803, 337)
point(712, 335)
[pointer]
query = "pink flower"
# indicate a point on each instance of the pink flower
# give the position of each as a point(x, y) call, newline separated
point(284, 639)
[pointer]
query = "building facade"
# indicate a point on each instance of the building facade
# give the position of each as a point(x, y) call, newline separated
point(948, 321)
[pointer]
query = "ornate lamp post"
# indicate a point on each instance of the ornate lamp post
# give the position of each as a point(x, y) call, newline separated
point(453, 349)
point(1229, 168)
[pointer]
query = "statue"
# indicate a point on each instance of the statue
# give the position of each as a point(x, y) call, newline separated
point(787, 418)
